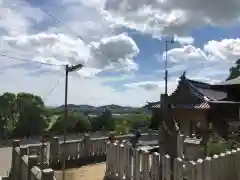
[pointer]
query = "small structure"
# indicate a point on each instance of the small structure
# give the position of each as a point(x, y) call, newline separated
point(195, 103)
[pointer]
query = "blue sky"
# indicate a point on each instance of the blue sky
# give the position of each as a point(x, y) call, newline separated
point(130, 34)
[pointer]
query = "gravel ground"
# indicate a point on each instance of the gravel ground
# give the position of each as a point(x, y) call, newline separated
point(5, 160)
point(90, 172)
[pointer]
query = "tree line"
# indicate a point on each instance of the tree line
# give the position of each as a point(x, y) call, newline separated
point(25, 115)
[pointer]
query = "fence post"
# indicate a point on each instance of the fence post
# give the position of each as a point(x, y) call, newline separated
point(23, 151)
point(166, 167)
point(178, 169)
point(54, 151)
point(108, 160)
point(47, 174)
point(199, 169)
point(136, 164)
point(238, 163)
point(32, 161)
point(86, 141)
point(180, 144)
point(208, 168)
point(15, 143)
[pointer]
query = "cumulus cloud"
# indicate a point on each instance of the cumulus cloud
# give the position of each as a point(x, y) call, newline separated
point(115, 52)
point(17, 18)
point(225, 50)
point(158, 17)
point(213, 51)
point(184, 40)
point(212, 61)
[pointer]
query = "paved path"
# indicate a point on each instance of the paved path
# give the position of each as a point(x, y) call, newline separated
point(5, 160)
point(90, 172)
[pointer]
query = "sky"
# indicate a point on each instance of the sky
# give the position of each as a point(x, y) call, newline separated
point(121, 44)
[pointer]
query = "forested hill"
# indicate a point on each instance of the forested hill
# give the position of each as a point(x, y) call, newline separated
point(98, 109)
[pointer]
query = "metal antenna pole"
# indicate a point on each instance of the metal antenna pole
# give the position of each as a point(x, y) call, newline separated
point(166, 70)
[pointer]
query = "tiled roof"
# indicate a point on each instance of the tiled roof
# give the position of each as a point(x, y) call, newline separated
point(230, 82)
point(204, 90)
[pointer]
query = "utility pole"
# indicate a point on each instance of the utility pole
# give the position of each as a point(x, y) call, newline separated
point(67, 70)
point(65, 122)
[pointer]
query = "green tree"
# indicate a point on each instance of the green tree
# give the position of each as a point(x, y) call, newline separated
point(76, 122)
point(155, 120)
point(234, 71)
point(138, 121)
point(31, 119)
point(7, 113)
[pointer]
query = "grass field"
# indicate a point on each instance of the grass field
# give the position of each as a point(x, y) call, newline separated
point(90, 172)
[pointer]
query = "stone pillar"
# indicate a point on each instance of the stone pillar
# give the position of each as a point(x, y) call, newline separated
point(86, 145)
point(54, 151)
point(23, 151)
point(32, 161)
point(15, 143)
point(47, 174)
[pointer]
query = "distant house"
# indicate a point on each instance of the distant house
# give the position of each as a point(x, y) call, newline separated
point(195, 102)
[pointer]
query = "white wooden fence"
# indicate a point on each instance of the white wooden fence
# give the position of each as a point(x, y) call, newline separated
point(123, 162)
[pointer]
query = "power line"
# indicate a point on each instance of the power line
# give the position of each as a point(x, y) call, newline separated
point(29, 61)
point(51, 89)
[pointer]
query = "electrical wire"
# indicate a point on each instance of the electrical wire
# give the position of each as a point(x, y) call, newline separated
point(26, 60)
point(52, 89)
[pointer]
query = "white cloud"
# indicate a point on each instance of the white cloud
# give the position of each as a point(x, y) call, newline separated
point(169, 17)
point(153, 85)
point(213, 61)
point(119, 51)
point(225, 50)
point(40, 40)
point(17, 18)
point(184, 40)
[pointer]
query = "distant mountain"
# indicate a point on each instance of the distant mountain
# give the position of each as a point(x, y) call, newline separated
point(99, 109)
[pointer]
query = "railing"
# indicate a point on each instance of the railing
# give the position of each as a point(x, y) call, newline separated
point(124, 162)
point(85, 150)
point(25, 167)
point(76, 152)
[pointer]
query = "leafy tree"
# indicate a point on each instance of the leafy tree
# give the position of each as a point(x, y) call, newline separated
point(31, 119)
point(7, 112)
point(234, 71)
point(138, 121)
point(104, 121)
point(155, 120)
point(76, 122)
